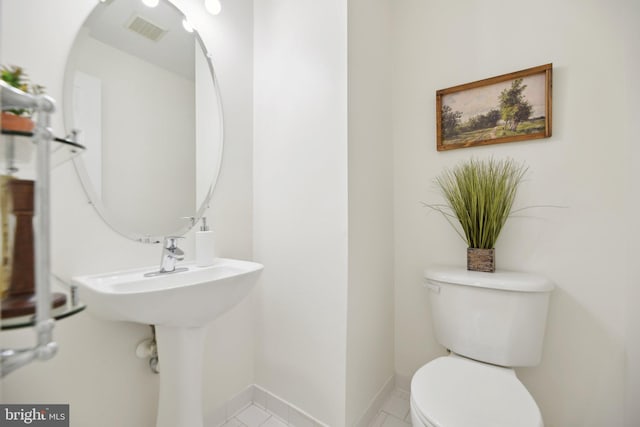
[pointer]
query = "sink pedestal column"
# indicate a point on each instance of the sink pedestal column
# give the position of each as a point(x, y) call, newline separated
point(180, 352)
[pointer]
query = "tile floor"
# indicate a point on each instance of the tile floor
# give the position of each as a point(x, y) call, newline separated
point(394, 413)
point(254, 416)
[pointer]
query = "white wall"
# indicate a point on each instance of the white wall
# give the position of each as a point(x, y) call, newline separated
point(632, 336)
point(323, 204)
point(96, 362)
point(300, 202)
point(370, 299)
point(586, 166)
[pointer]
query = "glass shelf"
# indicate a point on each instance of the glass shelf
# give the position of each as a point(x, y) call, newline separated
point(62, 151)
point(28, 321)
point(71, 306)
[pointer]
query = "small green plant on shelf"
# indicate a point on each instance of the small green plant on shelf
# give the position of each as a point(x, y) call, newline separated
point(16, 77)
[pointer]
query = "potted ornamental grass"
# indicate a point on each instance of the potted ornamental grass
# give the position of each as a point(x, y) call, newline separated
point(18, 119)
point(479, 195)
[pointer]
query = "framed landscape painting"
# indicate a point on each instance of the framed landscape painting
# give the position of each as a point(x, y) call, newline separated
point(507, 108)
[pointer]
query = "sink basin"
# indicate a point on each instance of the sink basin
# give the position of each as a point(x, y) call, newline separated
point(179, 305)
point(189, 298)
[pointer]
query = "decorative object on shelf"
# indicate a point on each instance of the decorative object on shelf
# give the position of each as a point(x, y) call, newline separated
point(507, 108)
point(18, 120)
point(479, 194)
point(5, 205)
point(20, 299)
point(16, 123)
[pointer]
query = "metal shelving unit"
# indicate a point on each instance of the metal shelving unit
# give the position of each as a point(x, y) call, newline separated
point(43, 322)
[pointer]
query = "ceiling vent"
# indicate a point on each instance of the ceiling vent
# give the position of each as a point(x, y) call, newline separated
point(146, 29)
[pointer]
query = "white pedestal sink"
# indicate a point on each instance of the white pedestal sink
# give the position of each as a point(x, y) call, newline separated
point(180, 305)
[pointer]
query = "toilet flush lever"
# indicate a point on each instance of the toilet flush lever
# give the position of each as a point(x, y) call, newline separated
point(432, 287)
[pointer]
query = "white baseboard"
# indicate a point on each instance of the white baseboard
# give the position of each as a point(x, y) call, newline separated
point(256, 395)
point(292, 415)
point(377, 402)
point(221, 414)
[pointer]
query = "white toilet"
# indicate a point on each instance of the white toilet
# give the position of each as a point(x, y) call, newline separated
point(491, 322)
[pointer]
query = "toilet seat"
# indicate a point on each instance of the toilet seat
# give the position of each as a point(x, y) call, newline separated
point(453, 391)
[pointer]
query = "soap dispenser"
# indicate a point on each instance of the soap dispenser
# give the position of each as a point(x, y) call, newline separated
point(205, 245)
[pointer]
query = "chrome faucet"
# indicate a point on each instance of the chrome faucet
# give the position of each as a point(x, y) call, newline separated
point(170, 254)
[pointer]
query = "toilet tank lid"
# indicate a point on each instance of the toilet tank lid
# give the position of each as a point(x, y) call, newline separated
point(501, 279)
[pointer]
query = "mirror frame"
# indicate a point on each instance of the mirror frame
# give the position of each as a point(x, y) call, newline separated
point(87, 185)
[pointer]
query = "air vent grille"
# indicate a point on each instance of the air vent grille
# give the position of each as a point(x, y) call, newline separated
point(146, 29)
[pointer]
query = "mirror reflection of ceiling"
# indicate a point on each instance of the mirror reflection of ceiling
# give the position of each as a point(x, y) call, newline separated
point(137, 25)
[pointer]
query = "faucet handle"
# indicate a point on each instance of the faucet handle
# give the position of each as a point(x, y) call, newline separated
point(171, 242)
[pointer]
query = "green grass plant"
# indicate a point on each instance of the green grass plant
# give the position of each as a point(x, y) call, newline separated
point(479, 194)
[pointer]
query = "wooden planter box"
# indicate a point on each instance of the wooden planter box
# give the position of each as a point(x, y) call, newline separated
point(481, 260)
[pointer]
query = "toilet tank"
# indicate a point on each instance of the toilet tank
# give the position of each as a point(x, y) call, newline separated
point(498, 318)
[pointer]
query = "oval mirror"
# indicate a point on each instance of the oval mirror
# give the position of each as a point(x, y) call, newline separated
point(141, 93)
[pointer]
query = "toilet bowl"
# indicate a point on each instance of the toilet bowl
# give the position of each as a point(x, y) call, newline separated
point(490, 323)
point(452, 391)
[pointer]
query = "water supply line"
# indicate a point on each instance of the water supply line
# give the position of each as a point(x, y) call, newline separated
point(149, 348)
